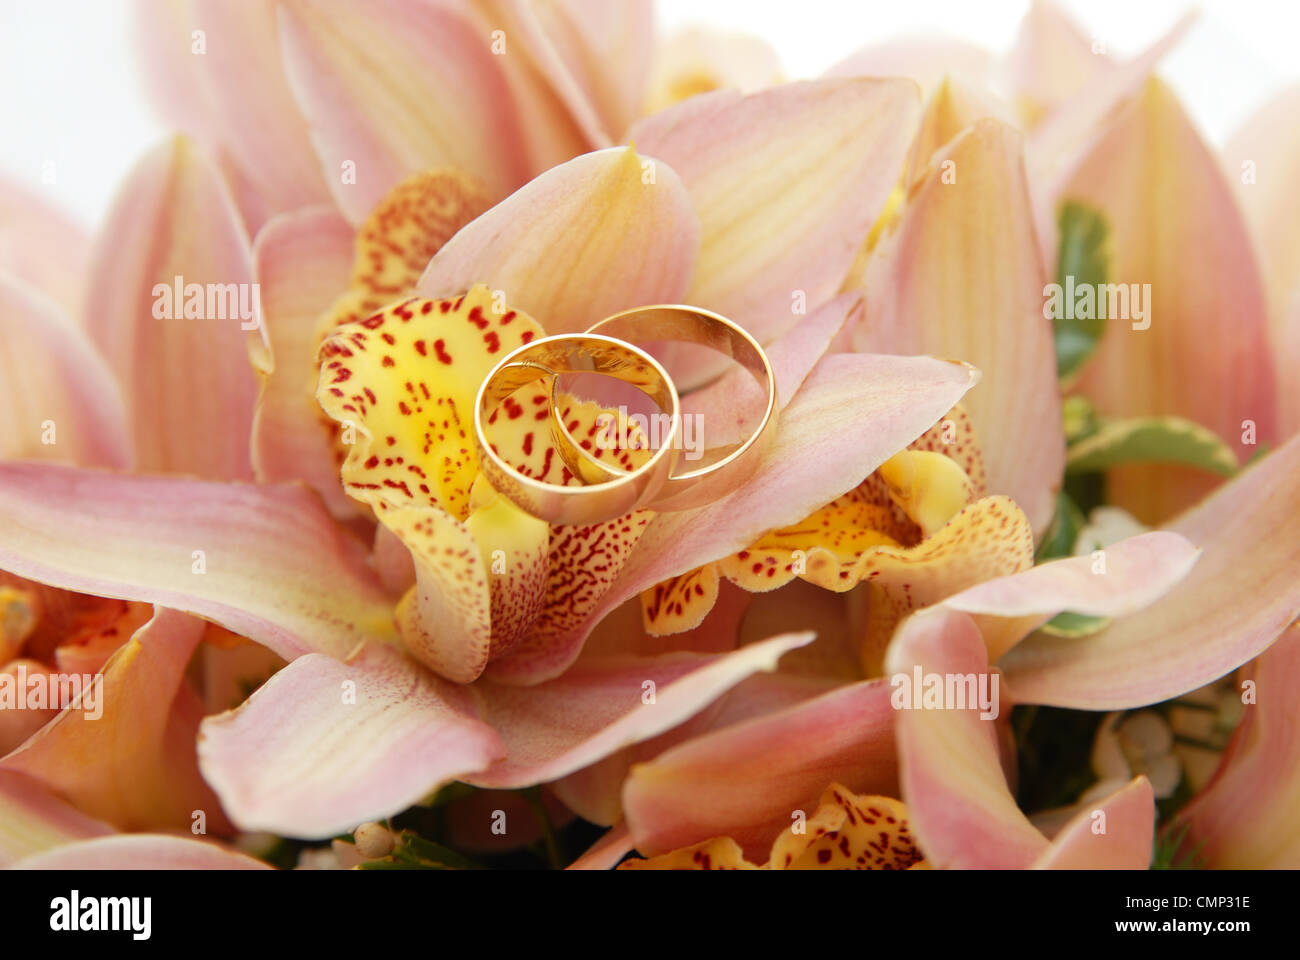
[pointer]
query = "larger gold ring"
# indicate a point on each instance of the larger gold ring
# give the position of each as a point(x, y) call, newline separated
point(690, 488)
point(619, 494)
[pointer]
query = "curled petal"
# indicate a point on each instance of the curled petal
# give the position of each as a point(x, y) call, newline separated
point(621, 224)
point(124, 751)
point(1238, 598)
point(324, 744)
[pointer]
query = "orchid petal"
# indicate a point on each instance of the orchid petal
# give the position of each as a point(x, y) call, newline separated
point(140, 851)
point(173, 244)
point(232, 95)
point(962, 278)
point(594, 55)
point(301, 263)
point(266, 562)
point(324, 745)
point(33, 820)
point(925, 59)
point(606, 852)
point(787, 183)
point(747, 779)
point(124, 752)
point(1240, 595)
point(1052, 61)
point(43, 246)
point(699, 60)
point(1264, 158)
point(621, 224)
point(961, 808)
point(396, 87)
point(1245, 818)
point(60, 400)
point(600, 706)
point(1110, 834)
point(1206, 305)
point(1133, 574)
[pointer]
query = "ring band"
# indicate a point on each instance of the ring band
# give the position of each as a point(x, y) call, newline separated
point(619, 493)
point(703, 485)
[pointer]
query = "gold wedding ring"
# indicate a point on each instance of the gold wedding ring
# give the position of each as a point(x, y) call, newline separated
point(731, 465)
point(597, 501)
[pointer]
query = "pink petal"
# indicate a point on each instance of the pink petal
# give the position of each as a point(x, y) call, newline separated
point(594, 54)
point(324, 745)
point(32, 819)
point(925, 59)
point(963, 812)
point(40, 244)
point(1053, 60)
point(188, 384)
point(1138, 571)
point(624, 242)
point(234, 97)
point(1111, 834)
point(851, 414)
point(1207, 303)
point(787, 183)
point(599, 706)
point(746, 780)
point(962, 278)
point(606, 852)
point(399, 86)
point(1240, 595)
point(302, 262)
point(276, 568)
point(125, 752)
point(55, 386)
point(1269, 141)
point(140, 851)
point(1245, 818)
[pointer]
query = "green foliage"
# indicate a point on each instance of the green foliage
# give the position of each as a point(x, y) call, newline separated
point(1082, 255)
point(1151, 440)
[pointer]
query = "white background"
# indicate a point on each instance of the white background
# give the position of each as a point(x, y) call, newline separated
point(72, 95)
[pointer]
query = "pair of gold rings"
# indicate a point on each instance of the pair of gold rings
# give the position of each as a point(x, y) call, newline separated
point(604, 490)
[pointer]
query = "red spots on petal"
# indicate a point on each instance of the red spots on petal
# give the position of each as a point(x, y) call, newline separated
point(421, 349)
point(440, 348)
point(492, 340)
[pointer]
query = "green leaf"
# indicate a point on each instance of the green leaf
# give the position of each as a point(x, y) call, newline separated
point(1059, 541)
point(1082, 255)
point(1071, 624)
point(1151, 440)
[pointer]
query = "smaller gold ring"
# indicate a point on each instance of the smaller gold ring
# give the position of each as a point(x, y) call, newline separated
point(593, 502)
point(690, 488)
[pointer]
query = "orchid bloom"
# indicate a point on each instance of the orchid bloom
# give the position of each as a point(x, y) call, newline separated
point(892, 528)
